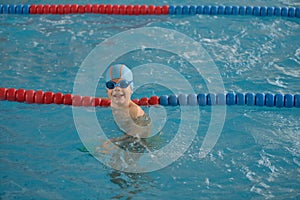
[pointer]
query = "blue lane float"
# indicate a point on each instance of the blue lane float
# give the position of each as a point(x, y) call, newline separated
point(240, 99)
point(270, 100)
point(221, 99)
point(173, 100)
point(250, 99)
point(288, 100)
point(211, 99)
point(232, 98)
point(297, 100)
point(202, 99)
point(260, 99)
point(182, 100)
point(163, 100)
point(279, 100)
point(192, 100)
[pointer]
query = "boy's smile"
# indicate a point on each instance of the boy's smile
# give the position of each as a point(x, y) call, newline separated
point(118, 96)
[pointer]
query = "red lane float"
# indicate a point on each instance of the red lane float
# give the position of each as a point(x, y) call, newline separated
point(41, 97)
point(46, 9)
point(3, 92)
point(58, 98)
point(153, 100)
point(67, 9)
point(88, 8)
point(96, 101)
point(48, 97)
point(74, 9)
point(29, 96)
point(77, 100)
point(68, 99)
point(11, 94)
point(143, 101)
point(20, 95)
point(99, 9)
point(87, 101)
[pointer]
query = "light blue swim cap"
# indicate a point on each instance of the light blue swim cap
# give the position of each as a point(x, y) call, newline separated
point(119, 71)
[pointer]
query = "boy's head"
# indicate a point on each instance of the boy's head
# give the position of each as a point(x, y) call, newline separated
point(119, 84)
point(119, 71)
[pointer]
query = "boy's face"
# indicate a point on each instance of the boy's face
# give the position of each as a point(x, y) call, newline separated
point(118, 95)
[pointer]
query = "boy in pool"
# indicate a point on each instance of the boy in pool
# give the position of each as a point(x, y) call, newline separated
point(130, 117)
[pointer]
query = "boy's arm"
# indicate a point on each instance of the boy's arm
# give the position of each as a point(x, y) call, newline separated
point(141, 125)
point(118, 139)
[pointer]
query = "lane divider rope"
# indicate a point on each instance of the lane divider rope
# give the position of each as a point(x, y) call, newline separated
point(117, 9)
point(203, 99)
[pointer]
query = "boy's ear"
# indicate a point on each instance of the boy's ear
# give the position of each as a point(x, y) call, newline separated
point(107, 92)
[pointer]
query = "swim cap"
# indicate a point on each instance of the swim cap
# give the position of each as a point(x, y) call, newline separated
point(119, 71)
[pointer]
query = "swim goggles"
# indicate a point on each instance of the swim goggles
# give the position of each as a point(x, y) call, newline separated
point(122, 84)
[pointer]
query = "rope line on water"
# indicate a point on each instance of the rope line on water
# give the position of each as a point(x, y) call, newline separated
point(203, 99)
point(117, 9)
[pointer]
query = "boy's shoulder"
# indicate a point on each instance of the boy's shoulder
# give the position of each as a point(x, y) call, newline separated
point(135, 110)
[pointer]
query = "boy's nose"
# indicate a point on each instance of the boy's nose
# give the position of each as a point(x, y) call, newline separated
point(117, 88)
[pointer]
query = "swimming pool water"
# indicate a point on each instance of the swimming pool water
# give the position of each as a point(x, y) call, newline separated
point(256, 157)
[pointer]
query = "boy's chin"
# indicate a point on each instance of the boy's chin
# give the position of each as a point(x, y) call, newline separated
point(119, 101)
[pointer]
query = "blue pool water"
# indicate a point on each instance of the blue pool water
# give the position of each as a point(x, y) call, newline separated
point(257, 155)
